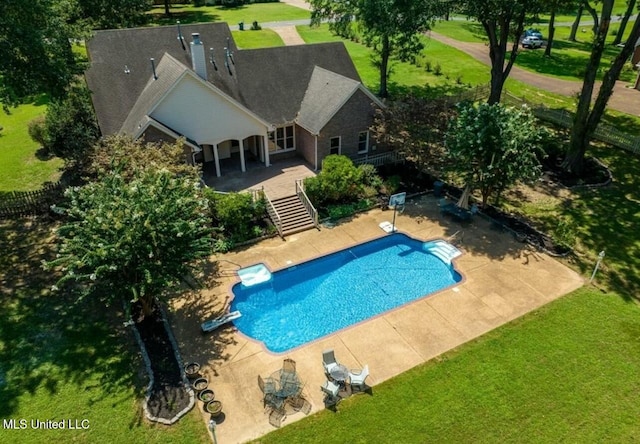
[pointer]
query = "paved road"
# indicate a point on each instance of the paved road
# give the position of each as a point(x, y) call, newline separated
point(624, 99)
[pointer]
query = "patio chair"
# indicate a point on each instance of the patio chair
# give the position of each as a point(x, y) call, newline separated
point(289, 366)
point(331, 390)
point(274, 402)
point(358, 377)
point(328, 361)
point(267, 386)
point(276, 417)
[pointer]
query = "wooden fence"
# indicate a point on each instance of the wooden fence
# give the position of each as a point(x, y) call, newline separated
point(30, 203)
point(604, 133)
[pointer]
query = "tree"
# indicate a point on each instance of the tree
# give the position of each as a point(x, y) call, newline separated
point(553, 7)
point(576, 23)
point(503, 22)
point(391, 27)
point(35, 50)
point(415, 128)
point(140, 238)
point(111, 14)
point(631, 4)
point(70, 125)
point(492, 147)
point(127, 156)
point(588, 115)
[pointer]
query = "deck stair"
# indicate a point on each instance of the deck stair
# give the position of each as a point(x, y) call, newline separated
point(293, 215)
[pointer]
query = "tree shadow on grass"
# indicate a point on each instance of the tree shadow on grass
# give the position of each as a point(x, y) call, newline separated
point(50, 339)
point(185, 17)
point(428, 91)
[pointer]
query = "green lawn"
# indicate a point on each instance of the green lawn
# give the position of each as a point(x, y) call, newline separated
point(567, 61)
point(264, 38)
point(262, 12)
point(60, 360)
point(22, 167)
point(405, 75)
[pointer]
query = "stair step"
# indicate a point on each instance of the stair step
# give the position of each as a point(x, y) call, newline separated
point(293, 215)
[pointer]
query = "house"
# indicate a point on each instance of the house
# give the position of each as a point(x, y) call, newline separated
point(191, 81)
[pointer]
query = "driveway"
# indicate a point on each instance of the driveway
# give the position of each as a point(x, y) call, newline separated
point(624, 99)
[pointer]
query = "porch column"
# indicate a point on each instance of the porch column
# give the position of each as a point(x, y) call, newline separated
point(265, 147)
point(243, 167)
point(216, 158)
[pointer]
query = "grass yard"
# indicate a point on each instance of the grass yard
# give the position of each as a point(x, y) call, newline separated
point(262, 12)
point(264, 38)
point(567, 61)
point(21, 166)
point(60, 360)
point(404, 75)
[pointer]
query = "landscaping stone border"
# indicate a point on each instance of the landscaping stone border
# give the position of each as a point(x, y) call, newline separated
point(147, 363)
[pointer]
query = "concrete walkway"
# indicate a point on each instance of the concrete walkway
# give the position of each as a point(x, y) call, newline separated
point(289, 35)
point(502, 280)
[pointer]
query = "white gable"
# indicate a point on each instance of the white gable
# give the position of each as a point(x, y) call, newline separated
point(196, 110)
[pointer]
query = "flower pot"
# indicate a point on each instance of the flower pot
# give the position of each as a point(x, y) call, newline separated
point(192, 370)
point(213, 407)
point(206, 395)
point(200, 384)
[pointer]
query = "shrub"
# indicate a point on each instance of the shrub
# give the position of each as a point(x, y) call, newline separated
point(237, 214)
point(427, 66)
point(459, 79)
point(370, 176)
point(255, 26)
point(437, 70)
point(38, 130)
point(339, 181)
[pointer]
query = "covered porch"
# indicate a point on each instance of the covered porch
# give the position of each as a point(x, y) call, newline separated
point(234, 155)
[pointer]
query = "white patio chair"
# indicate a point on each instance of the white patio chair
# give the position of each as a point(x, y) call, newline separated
point(358, 377)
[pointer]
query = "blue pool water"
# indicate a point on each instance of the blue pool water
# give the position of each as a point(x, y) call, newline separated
point(313, 299)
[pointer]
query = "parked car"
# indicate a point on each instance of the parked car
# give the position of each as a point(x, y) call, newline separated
point(533, 33)
point(531, 42)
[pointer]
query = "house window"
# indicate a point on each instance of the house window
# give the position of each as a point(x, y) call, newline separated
point(363, 142)
point(282, 139)
point(334, 145)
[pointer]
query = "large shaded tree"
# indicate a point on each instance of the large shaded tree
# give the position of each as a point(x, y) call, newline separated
point(554, 7)
point(391, 27)
point(415, 127)
point(588, 113)
point(134, 239)
point(35, 50)
point(492, 147)
point(503, 22)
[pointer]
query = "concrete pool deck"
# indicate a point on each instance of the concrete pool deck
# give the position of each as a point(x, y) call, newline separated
point(502, 280)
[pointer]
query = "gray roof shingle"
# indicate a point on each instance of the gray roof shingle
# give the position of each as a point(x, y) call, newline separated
point(271, 82)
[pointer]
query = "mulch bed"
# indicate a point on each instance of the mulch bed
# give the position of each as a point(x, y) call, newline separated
point(168, 394)
point(595, 174)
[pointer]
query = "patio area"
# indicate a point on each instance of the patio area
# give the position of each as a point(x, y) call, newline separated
point(278, 180)
point(502, 280)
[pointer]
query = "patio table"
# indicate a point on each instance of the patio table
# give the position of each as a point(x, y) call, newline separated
point(340, 373)
point(287, 384)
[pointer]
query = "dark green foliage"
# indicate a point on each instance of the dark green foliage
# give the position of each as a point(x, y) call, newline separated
point(238, 217)
point(492, 147)
point(70, 125)
point(35, 50)
point(135, 238)
point(340, 211)
point(38, 130)
point(339, 181)
point(100, 14)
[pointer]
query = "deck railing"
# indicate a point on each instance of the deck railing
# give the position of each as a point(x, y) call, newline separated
point(306, 202)
point(273, 214)
point(378, 160)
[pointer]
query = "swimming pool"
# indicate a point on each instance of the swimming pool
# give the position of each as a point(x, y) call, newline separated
point(304, 302)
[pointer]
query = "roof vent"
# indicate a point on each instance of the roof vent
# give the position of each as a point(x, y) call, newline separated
point(180, 37)
point(153, 68)
point(198, 60)
point(212, 60)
